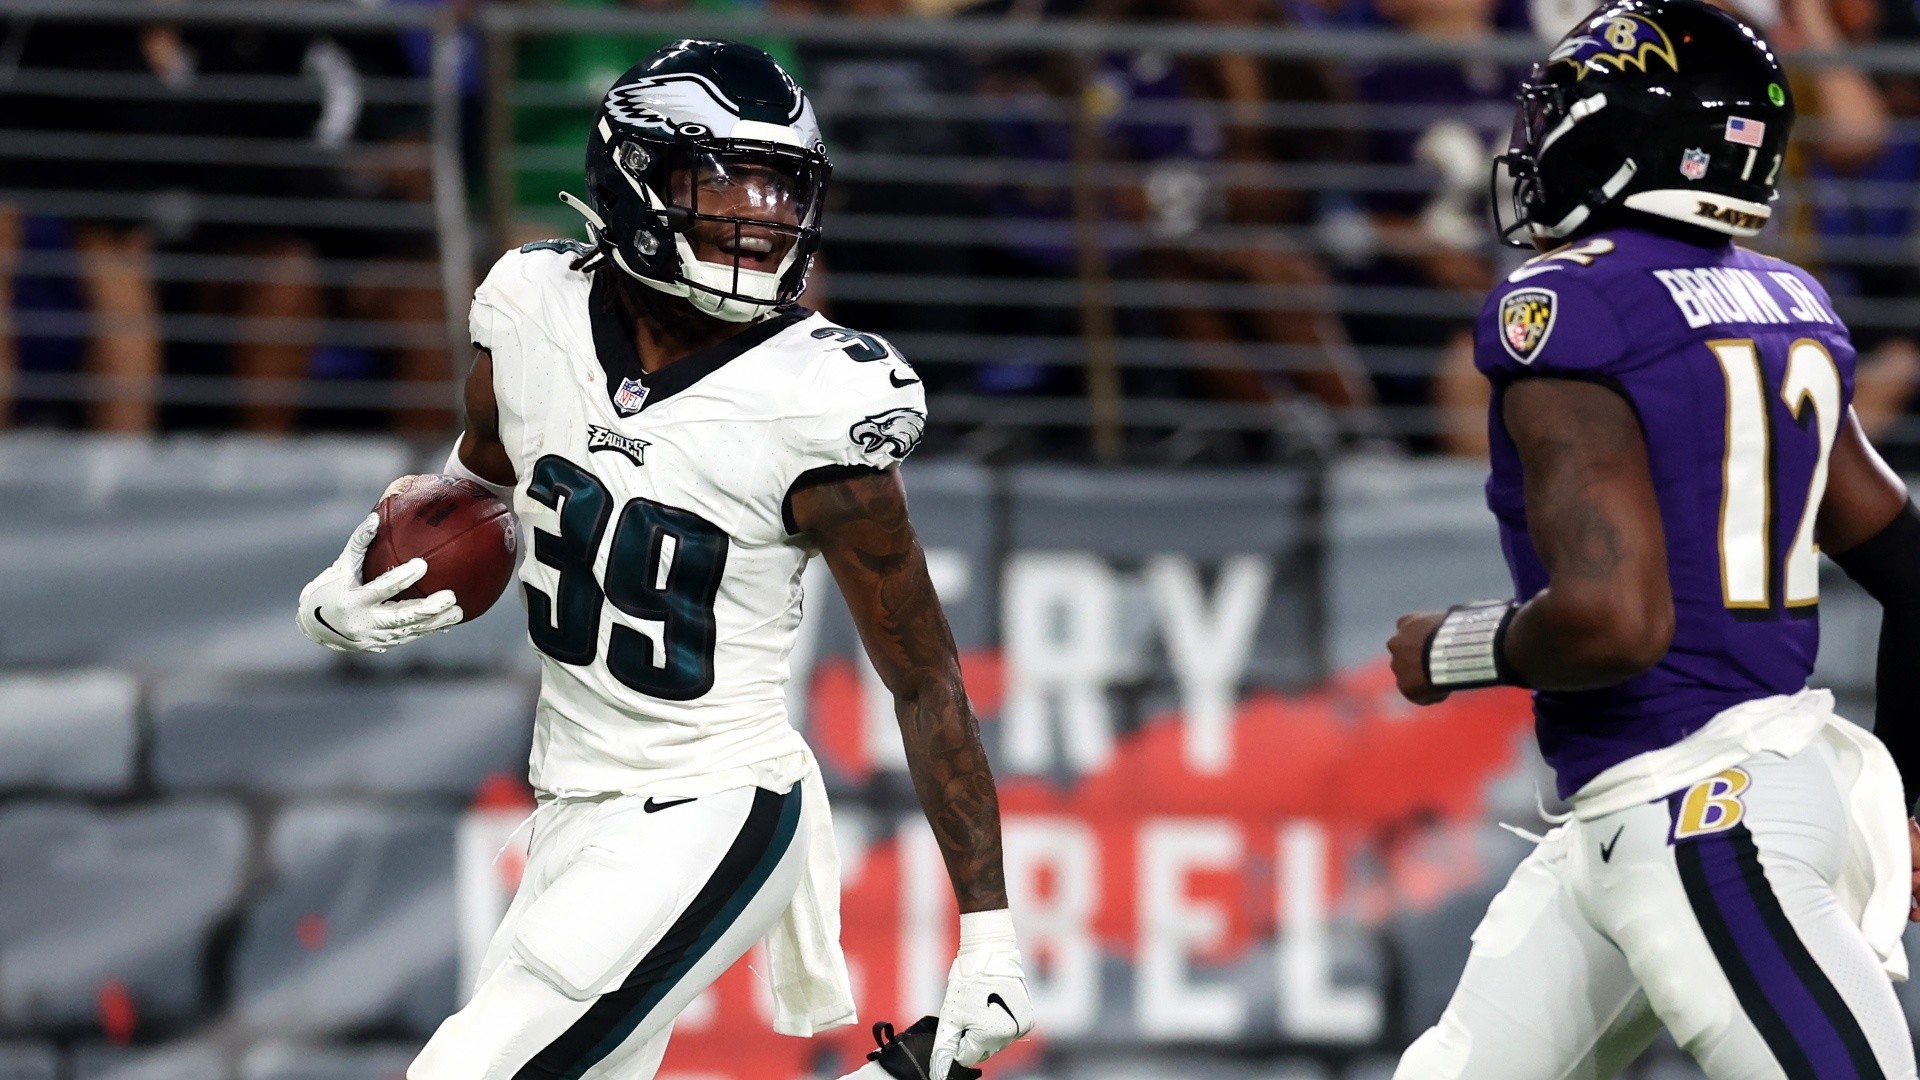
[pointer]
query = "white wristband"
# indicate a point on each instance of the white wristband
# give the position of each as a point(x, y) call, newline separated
point(987, 929)
point(456, 467)
point(1463, 652)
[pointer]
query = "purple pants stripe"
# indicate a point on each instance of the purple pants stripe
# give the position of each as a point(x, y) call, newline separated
point(1799, 1014)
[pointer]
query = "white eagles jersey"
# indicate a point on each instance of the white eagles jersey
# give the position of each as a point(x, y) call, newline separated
point(662, 574)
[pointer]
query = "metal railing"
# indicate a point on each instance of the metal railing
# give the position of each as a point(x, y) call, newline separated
point(1012, 245)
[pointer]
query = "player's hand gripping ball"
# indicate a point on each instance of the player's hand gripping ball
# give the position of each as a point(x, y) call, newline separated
point(382, 591)
point(465, 534)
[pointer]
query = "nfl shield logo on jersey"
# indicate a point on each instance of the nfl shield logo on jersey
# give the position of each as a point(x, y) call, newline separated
point(1693, 164)
point(1526, 318)
point(631, 395)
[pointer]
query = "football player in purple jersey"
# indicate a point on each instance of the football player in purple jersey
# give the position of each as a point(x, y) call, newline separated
point(1673, 446)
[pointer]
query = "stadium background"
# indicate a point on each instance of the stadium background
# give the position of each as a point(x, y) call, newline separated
point(1187, 280)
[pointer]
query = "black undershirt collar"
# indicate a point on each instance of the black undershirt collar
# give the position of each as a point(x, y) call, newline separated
point(620, 362)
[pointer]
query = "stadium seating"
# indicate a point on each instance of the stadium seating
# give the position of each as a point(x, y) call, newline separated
point(166, 586)
point(1370, 1068)
point(296, 736)
point(28, 1061)
point(292, 1061)
point(108, 912)
point(69, 731)
point(169, 1061)
point(357, 932)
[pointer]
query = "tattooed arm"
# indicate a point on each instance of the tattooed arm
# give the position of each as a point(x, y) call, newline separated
point(860, 524)
point(1606, 614)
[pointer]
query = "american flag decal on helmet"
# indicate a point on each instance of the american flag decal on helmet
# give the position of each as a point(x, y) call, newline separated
point(1746, 132)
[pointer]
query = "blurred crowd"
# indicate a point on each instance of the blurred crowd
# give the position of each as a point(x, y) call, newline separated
point(1306, 240)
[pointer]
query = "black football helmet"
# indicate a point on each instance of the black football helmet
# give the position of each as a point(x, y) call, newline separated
point(698, 116)
point(1665, 107)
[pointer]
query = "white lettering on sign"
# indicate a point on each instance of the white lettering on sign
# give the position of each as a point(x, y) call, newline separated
point(927, 913)
point(1060, 617)
point(1312, 1007)
point(1056, 925)
point(1208, 645)
point(1167, 1002)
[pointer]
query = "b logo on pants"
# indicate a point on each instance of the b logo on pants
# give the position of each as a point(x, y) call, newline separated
point(1712, 806)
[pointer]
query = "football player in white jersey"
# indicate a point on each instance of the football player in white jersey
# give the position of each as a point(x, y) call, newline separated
point(678, 437)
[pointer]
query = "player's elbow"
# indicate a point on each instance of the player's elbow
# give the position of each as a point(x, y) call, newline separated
point(1632, 638)
point(929, 692)
point(1623, 639)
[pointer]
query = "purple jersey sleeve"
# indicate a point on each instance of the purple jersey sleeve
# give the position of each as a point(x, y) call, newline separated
point(1548, 323)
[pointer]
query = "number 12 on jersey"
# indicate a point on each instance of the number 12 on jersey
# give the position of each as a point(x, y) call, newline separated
point(663, 572)
point(1748, 496)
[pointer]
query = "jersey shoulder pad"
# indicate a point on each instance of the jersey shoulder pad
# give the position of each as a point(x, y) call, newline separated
point(1781, 271)
point(1551, 321)
point(524, 284)
point(866, 404)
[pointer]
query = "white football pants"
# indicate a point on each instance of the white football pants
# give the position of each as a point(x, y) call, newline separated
point(628, 909)
point(1712, 912)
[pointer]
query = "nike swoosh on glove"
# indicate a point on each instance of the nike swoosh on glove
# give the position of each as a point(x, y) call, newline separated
point(987, 1006)
point(339, 611)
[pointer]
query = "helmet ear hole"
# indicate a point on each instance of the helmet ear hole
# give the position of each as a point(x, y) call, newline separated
point(1593, 159)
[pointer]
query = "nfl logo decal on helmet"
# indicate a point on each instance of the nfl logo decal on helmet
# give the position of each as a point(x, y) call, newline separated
point(1526, 318)
point(1693, 164)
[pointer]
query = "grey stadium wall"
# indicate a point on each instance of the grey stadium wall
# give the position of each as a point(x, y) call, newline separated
point(227, 852)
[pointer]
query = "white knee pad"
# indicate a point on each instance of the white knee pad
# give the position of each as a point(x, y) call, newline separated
point(592, 925)
point(1440, 1053)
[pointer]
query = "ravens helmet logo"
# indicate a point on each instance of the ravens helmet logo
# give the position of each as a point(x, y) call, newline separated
point(1626, 41)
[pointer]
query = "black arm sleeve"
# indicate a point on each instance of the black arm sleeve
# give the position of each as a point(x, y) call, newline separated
point(1888, 567)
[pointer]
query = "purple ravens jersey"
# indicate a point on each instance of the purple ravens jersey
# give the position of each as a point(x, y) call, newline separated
point(1740, 374)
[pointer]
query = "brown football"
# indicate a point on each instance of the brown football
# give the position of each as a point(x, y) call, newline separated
point(466, 535)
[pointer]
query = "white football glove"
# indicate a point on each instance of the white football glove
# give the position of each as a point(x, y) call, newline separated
point(987, 1005)
point(338, 611)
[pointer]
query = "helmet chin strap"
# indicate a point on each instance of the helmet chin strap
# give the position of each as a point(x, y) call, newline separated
point(596, 233)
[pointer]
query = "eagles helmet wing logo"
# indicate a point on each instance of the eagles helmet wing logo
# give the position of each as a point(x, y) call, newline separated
point(629, 105)
point(896, 431)
point(1628, 41)
point(702, 107)
point(1526, 318)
